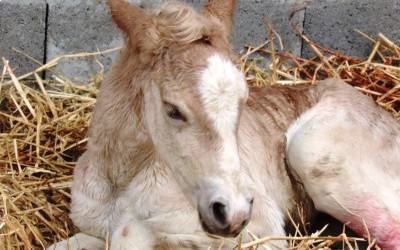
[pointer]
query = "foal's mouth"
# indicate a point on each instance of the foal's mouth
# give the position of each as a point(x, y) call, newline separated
point(225, 231)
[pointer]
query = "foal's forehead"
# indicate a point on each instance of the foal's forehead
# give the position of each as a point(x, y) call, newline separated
point(221, 79)
point(221, 89)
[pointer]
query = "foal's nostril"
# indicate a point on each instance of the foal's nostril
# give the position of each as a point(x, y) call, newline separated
point(244, 223)
point(219, 211)
point(251, 201)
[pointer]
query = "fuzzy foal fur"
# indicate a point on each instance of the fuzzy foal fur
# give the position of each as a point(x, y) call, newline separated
point(144, 177)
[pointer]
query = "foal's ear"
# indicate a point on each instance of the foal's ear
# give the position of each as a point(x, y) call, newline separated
point(224, 10)
point(129, 18)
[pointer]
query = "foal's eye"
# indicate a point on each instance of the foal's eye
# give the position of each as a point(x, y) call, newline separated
point(173, 112)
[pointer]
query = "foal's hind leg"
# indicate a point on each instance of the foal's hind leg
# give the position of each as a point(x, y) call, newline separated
point(347, 175)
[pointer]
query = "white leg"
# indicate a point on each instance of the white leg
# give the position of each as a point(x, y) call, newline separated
point(78, 242)
point(133, 235)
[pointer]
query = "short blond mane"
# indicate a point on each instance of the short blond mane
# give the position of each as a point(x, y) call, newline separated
point(179, 23)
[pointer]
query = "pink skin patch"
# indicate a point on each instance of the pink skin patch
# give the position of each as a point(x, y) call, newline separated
point(125, 231)
point(381, 224)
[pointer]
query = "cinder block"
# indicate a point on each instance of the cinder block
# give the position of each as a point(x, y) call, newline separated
point(22, 26)
point(252, 30)
point(332, 24)
point(76, 26)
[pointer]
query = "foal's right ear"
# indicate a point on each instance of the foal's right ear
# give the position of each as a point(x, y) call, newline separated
point(129, 18)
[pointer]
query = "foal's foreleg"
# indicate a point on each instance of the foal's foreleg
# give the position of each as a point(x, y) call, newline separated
point(95, 211)
point(132, 235)
point(78, 242)
point(95, 208)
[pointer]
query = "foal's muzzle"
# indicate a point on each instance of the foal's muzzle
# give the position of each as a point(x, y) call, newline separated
point(225, 218)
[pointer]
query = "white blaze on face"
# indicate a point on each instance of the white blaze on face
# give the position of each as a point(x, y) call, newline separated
point(222, 86)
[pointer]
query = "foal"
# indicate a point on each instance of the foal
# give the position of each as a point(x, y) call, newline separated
point(179, 146)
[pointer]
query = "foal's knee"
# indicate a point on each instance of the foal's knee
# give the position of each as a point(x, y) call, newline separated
point(132, 235)
point(93, 205)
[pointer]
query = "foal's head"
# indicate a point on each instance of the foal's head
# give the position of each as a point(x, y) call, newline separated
point(190, 94)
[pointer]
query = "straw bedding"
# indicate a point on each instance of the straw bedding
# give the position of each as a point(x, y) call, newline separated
point(43, 125)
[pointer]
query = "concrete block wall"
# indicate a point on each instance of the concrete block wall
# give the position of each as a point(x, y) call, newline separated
point(45, 29)
point(332, 23)
point(80, 26)
point(22, 27)
point(251, 29)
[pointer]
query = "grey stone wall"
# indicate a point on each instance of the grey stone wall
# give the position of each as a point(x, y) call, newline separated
point(45, 29)
point(333, 22)
point(22, 27)
point(80, 26)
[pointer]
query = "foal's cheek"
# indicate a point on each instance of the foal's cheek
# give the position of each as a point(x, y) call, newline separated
point(184, 143)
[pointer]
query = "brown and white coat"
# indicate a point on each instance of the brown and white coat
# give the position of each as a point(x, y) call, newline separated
point(179, 144)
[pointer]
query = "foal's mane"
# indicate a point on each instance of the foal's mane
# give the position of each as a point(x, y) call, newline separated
point(179, 23)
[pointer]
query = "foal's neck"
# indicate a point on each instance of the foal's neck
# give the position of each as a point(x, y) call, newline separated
point(118, 142)
point(269, 113)
point(278, 106)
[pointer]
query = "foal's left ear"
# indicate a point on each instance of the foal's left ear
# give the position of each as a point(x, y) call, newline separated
point(129, 18)
point(224, 10)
